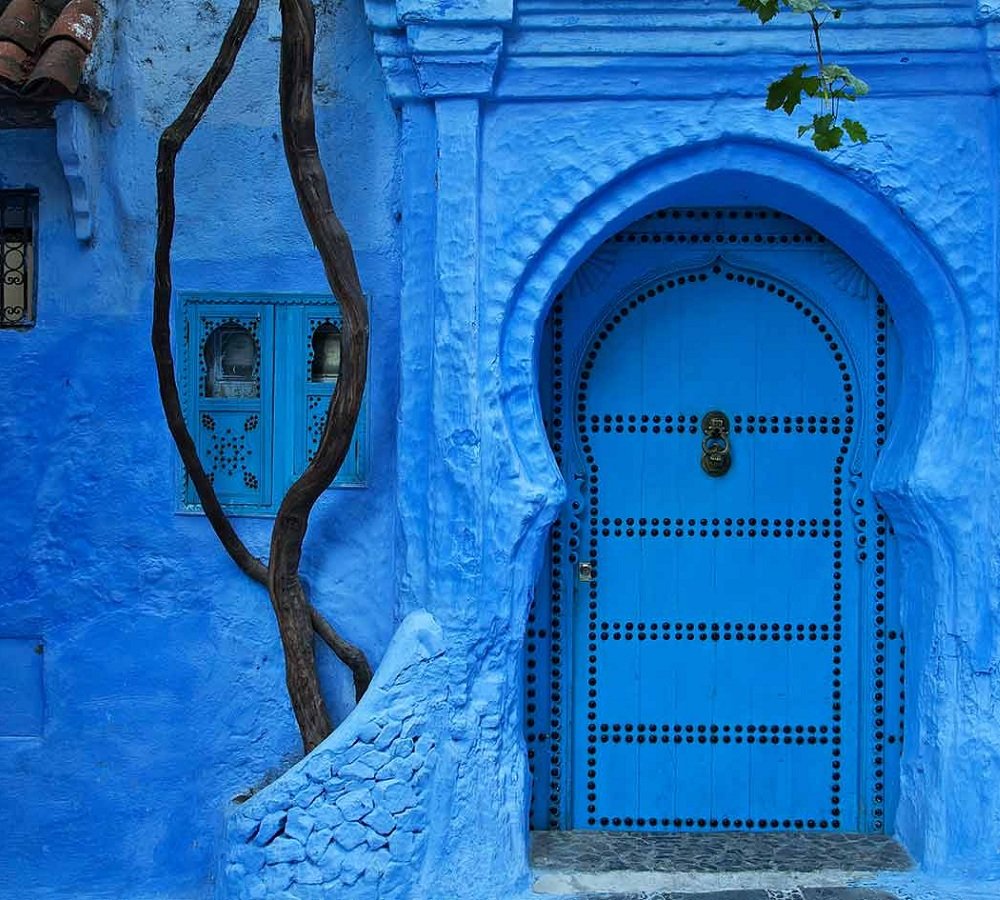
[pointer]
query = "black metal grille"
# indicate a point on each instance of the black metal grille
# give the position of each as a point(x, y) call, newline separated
point(17, 258)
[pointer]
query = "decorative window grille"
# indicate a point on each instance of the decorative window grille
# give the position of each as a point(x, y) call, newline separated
point(18, 213)
point(258, 376)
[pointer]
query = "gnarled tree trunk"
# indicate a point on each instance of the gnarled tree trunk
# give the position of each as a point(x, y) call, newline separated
point(297, 619)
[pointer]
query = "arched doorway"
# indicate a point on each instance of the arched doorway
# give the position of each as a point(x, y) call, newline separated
point(715, 643)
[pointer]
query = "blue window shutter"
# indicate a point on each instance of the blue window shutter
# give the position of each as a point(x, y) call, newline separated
point(257, 377)
point(229, 370)
point(313, 386)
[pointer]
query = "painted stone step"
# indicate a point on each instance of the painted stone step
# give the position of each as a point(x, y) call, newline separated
point(793, 894)
point(786, 866)
point(595, 851)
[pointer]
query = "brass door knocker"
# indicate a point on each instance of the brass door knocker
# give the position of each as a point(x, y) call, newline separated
point(715, 456)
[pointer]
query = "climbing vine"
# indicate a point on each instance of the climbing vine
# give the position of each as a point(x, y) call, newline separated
point(830, 84)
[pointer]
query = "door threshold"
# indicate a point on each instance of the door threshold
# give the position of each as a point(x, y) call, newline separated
point(717, 866)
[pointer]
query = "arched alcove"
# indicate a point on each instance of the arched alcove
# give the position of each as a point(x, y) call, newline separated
point(918, 475)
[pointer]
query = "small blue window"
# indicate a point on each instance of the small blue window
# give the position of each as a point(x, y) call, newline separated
point(232, 363)
point(326, 345)
point(260, 373)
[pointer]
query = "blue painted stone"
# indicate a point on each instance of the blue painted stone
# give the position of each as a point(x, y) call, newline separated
point(270, 826)
point(401, 844)
point(394, 796)
point(376, 841)
point(327, 815)
point(307, 873)
point(399, 768)
point(308, 795)
point(242, 828)
point(351, 834)
point(356, 771)
point(299, 825)
point(317, 843)
point(412, 819)
point(387, 735)
point(284, 850)
point(354, 864)
point(381, 820)
point(355, 805)
point(331, 863)
point(402, 747)
point(303, 891)
point(374, 759)
point(279, 876)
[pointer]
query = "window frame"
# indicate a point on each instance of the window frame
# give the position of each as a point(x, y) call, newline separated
point(31, 198)
point(280, 391)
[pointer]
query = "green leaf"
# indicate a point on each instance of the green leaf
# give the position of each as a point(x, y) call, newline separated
point(855, 85)
point(765, 10)
point(804, 128)
point(805, 6)
point(855, 131)
point(786, 93)
point(827, 135)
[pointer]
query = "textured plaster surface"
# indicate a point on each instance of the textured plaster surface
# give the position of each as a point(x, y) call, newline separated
point(163, 678)
point(617, 161)
point(163, 685)
point(353, 815)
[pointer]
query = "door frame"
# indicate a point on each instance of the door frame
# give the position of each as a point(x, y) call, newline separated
point(563, 371)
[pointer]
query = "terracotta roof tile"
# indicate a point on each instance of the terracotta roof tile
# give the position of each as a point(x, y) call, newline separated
point(45, 67)
point(21, 24)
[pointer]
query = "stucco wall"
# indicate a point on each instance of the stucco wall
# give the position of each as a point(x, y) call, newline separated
point(584, 133)
point(622, 160)
point(163, 694)
point(163, 679)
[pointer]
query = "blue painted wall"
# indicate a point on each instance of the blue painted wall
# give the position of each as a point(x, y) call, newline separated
point(164, 686)
point(516, 152)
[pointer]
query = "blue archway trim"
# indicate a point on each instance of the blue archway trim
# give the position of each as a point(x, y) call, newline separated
point(919, 474)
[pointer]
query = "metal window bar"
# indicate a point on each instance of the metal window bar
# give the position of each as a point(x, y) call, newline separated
point(17, 258)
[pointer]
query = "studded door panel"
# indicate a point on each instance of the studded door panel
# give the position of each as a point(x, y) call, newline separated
point(711, 652)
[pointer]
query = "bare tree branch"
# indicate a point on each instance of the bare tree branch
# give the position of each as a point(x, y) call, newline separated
point(298, 125)
point(350, 655)
point(171, 143)
point(297, 618)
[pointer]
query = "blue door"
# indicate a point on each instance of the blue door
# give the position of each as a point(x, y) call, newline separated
point(715, 645)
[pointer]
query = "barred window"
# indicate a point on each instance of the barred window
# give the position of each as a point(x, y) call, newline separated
point(18, 213)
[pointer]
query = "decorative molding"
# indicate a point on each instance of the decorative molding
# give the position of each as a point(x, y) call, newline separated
point(593, 272)
point(430, 48)
point(76, 144)
point(610, 49)
point(844, 273)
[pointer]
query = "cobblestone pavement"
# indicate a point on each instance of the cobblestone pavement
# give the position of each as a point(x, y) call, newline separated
point(592, 851)
point(794, 894)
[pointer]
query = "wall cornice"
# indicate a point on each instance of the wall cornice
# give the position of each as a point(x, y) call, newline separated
point(438, 49)
point(611, 49)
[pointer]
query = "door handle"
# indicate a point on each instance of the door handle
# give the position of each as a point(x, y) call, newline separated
point(716, 457)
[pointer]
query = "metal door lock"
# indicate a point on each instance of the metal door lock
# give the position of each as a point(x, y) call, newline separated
point(715, 456)
point(585, 571)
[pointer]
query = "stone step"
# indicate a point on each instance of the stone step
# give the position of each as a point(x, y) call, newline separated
point(793, 894)
point(642, 866)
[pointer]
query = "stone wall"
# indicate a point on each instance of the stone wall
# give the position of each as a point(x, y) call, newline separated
point(352, 814)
